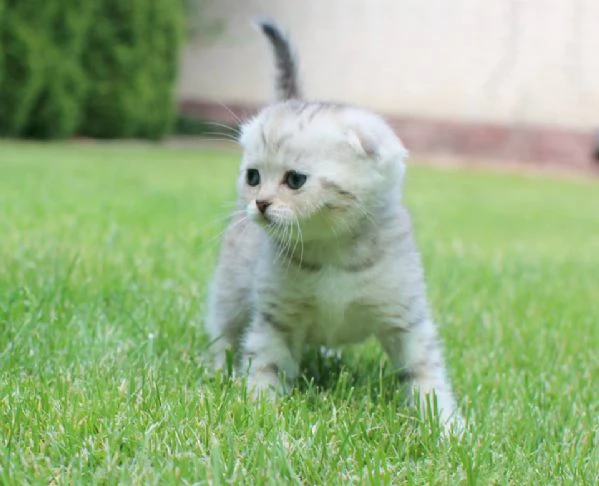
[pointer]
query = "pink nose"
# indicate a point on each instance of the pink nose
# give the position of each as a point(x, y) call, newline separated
point(262, 205)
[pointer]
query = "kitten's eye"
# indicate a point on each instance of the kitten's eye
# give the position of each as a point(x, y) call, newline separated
point(252, 177)
point(295, 180)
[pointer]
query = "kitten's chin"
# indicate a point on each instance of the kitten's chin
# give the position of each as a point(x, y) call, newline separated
point(262, 219)
point(259, 218)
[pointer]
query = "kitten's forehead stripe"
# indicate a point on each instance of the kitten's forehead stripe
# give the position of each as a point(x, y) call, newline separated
point(281, 140)
point(263, 135)
point(302, 108)
point(317, 109)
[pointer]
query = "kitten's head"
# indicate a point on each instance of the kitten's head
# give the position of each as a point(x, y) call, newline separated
point(321, 168)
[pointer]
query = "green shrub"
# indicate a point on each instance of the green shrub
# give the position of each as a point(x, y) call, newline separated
point(57, 110)
point(1, 30)
point(101, 68)
point(132, 58)
point(23, 63)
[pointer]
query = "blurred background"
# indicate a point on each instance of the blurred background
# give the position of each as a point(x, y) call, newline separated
point(500, 80)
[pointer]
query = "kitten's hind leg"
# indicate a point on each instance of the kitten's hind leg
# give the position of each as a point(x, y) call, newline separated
point(416, 354)
point(267, 356)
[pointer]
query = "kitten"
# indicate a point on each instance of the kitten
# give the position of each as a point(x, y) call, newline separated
point(321, 249)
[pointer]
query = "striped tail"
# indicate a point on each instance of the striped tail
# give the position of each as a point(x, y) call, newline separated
point(287, 83)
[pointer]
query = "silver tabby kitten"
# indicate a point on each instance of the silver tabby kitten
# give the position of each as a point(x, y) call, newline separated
point(321, 250)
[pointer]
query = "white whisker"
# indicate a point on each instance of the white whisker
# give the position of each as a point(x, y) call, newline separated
point(290, 251)
point(218, 139)
point(219, 136)
point(230, 227)
point(235, 117)
point(275, 231)
point(301, 239)
point(287, 243)
point(230, 129)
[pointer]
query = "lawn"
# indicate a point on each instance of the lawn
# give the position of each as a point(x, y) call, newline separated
point(105, 253)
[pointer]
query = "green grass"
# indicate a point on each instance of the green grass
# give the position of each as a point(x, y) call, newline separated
point(105, 253)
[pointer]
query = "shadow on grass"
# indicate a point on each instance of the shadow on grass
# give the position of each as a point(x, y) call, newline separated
point(343, 374)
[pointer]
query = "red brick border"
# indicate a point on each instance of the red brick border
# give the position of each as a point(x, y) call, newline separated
point(569, 149)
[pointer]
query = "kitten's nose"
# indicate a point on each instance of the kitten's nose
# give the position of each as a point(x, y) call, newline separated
point(262, 205)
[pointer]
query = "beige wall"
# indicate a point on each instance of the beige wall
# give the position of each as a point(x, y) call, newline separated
point(508, 61)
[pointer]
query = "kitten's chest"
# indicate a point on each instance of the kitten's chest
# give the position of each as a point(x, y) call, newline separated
point(334, 312)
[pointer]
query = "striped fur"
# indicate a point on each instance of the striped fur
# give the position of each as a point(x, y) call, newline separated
point(287, 82)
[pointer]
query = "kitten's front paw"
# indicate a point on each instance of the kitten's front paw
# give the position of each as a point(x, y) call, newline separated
point(445, 409)
point(219, 358)
point(453, 424)
point(264, 382)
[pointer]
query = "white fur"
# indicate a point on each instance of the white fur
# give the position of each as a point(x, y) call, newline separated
point(329, 264)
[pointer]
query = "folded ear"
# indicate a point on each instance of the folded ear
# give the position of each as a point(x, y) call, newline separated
point(372, 137)
point(382, 144)
point(362, 143)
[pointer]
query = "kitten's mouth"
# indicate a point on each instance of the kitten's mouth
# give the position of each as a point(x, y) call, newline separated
point(262, 219)
point(271, 218)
